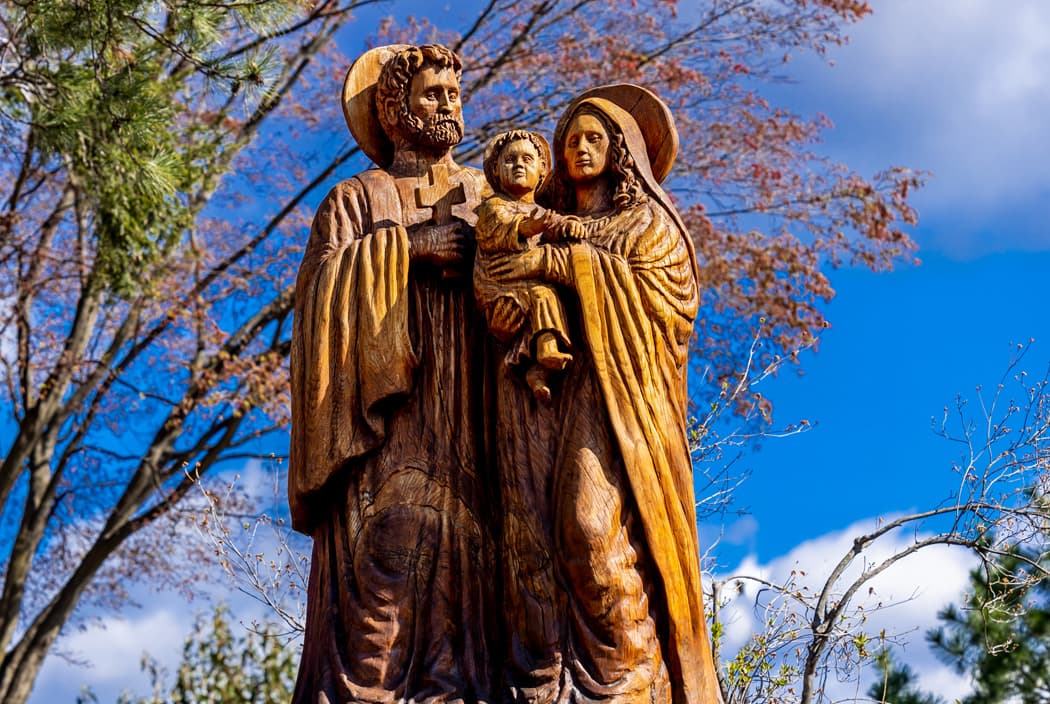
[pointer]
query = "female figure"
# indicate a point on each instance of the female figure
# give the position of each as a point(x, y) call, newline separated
point(602, 576)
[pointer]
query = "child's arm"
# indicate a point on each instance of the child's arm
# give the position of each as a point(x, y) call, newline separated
point(564, 228)
point(539, 220)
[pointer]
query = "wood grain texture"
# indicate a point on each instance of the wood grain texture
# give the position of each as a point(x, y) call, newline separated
point(359, 104)
point(386, 462)
point(475, 541)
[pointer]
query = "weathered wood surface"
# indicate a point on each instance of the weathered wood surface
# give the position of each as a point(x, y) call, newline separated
point(386, 467)
point(475, 539)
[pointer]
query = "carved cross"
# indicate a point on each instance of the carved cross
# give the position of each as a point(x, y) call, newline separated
point(440, 195)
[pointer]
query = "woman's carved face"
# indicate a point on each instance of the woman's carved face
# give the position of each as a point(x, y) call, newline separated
point(586, 151)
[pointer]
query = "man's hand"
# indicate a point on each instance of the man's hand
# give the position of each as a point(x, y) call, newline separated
point(441, 245)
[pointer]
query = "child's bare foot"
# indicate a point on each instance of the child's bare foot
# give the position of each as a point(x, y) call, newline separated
point(548, 354)
point(536, 377)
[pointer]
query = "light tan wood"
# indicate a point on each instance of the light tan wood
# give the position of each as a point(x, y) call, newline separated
point(495, 469)
point(602, 589)
point(359, 104)
point(440, 195)
point(653, 117)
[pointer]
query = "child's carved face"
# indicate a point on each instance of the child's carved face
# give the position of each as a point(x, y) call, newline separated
point(520, 167)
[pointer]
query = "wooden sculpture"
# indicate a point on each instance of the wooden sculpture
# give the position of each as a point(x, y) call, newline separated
point(599, 544)
point(385, 470)
point(505, 516)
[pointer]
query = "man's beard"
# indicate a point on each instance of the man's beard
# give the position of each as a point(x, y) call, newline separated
point(437, 132)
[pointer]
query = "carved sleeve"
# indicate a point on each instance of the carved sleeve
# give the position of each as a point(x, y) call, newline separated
point(497, 228)
point(661, 262)
point(557, 264)
point(351, 350)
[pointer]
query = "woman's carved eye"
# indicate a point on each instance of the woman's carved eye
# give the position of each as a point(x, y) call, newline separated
point(527, 159)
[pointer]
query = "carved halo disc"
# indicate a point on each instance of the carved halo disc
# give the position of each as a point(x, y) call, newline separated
point(649, 111)
point(359, 103)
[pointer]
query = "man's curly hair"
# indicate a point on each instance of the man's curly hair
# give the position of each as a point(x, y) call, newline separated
point(395, 79)
point(560, 193)
point(499, 143)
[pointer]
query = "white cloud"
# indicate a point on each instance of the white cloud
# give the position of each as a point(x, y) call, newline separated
point(911, 593)
point(8, 334)
point(917, 588)
point(113, 651)
point(741, 532)
point(106, 652)
point(960, 88)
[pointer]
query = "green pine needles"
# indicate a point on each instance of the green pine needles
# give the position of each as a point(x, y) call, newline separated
point(128, 99)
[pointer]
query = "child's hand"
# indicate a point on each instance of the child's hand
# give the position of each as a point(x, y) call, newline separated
point(574, 229)
point(565, 228)
point(535, 222)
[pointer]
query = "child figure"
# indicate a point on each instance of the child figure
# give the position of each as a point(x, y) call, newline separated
point(509, 221)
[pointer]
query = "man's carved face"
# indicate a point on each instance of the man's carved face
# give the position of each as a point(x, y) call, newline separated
point(434, 116)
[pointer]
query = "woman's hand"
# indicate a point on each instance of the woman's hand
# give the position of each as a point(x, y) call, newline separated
point(530, 264)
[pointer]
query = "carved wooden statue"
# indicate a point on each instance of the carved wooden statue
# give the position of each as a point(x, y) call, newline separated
point(504, 516)
point(385, 470)
point(516, 163)
point(599, 544)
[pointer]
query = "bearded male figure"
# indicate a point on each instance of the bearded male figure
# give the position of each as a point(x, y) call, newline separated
point(385, 468)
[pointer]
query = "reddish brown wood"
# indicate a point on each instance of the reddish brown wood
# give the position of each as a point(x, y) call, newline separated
point(386, 467)
point(505, 516)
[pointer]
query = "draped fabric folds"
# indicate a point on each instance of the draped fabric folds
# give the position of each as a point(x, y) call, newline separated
point(602, 575)
point(638, 297)
point(351, 350)
point(384, 471)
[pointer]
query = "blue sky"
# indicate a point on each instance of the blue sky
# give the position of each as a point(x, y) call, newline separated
point(958, 88)
point(901, 347)
point(955, 87)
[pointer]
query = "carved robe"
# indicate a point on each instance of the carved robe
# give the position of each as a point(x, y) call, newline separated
point(497, 233)
point(601, 561)
point(638, 296)
point(385, 469)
